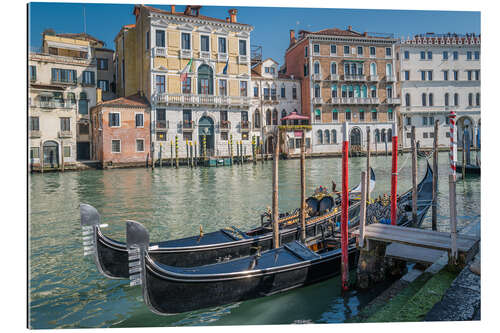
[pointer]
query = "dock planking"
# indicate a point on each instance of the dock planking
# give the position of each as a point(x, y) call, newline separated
point(412, 253)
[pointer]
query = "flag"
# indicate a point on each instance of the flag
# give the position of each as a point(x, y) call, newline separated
point(186, 70)
point(224, 71)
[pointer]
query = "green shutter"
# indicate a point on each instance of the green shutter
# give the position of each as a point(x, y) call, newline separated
point(334, 110)
point(390, 110)
point(318, 112)
point(374, 110)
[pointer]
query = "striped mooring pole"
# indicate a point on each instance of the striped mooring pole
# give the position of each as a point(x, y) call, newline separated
point(453, 145)
point(344, 223)
point(452, 187)
point(394, 178)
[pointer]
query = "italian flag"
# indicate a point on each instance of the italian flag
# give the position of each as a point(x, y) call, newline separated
point(186, 70)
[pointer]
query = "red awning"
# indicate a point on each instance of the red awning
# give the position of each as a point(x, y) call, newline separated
point(295, 116)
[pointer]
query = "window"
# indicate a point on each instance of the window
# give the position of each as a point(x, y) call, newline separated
point(422, 55)
point(455, 55)
point(222, 45)
point(407, 75)
point(116, 146)
point(161, 136)
point(222, 87)
point(102, 64)
point(71, 98)
point(455, 75)
point(243, 88)
point(243, 47)
point(186, 86)
point(139, 145)
point(408, 121)
point(429, 75)
point(205, 43)
point(372, 50)
point(455, 99)
point(407, 55)
point(431, 99)
point(267, 95)
point(426, 135)
point(255, 91)
point(469, 75)
point(67, 151)
point(374, 114)
point(476, 75)
point(445, 55)
point(317, 115)
point(347, 49)
point(306, 49)
point(147, 40)
point(316, 48)
point(361, 115)
point(478, 99)
point(447, 120)
point(469, 55)
point(187, 136)
point(63, 75)
point(447, 134)
point(476, 55)
point(424, 121)
point(273, 93)
point(445, 75)
point(422, 74)
point(32, 73)
point(83, 104)
point(446, 99)
point(34, 124)
point(335, 115)
point(34, 152)
point(333, 68)
point(348, 114)
point(350, 91)
point(373, 91)
point(388, 51)
point(257, 119)
point(327, 137)
point(317, 92)
point(333, 48)
point(65, 124)
point(471, 97)
point(429, 55)
point(186, 41)
point(160, 38)
point(283, 92)
point(424, 99)
point(390, 115)
point(160, 83)
point(83, 128)
point(205, 80)
point(316, 68)
point(88, 77)
point(139, 120)
point(306, 71)
point(360, 50)
point(389, 91)
point(103, 84)
point(407, 99)
point(320, 137)
point(294, 92)
point(334, 91)
point(114, 119)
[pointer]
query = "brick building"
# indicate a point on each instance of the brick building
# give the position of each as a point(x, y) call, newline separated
point(121, 131)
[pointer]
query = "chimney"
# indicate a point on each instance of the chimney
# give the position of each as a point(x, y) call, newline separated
point(292, 36)
point(98, 95)
point(172, 8)
point(227, 19)
point(232, 15)
point(365, 34)
point(349, 28)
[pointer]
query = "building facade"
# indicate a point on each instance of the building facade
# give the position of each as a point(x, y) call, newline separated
point(194, 70)
point(274, 96)
point(105, 73)
point(440, 74)
point(346, 76)
point(61, 90)
point(121, 131)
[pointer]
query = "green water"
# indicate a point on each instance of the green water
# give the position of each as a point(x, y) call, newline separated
point(65, 289)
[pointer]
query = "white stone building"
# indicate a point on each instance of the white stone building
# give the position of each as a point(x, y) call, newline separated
point(274, 96)
point(439, 74)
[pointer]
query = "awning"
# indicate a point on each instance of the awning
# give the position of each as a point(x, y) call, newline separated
point(361, 110)
point(295, 116)
point(83, 48)
point(390, 110)
point(334, 110)
point(318, 112)
point(348, 110)
point(374, 110)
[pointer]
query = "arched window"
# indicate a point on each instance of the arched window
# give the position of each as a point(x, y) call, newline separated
point(275, 117)
point(407, 99)
point(316, 68)
point(377, 135)
point(268, 117)
point(344, 91)
point(471, 97)
point(389, 135)
point(350, 91)
point(446, 99)
point(383, 135)
point(388, 70)
point(346, 69)
point(317, 93)
point(356, 91)
point(424, 99)
point(455, 99)
point(327, 137)
point(431, 99)
point(205, 80)
point(373, 69)
point(478, 99)
point(283, 114)
point(334, 136)
point(373, 91)
point(256, 118)
point(364, 93)
point(333, 68)
point(334, 91)
point(320, 137)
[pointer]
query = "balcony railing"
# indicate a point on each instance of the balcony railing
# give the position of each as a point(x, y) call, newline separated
point(245, 125)
point(317, 100)
point(222, 56)
point(65, 134)
point(316, 77)
point(354, 77)
point(205, 55)
point(225, 125)
point(374, 78)
point(160, 52)
point(354, 100)
point(54, 105)
point(333, 77)
point(187, 125)
point(243, 59)
point(35, 134)
point(390, 78)
point(39, 55)
point(186, 54)
point(162, 124)
point(393, 100)
point(191, 99)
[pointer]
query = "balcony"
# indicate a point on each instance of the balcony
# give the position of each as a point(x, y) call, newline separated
point(66, 83)
point(354, 77)
point(335, 100)
point(333, 77)
point(243, 59)
point(186, 54)
point(355, 100)
point(390, 78)
point(317, 100)
point(316, 77)
point(205, 55)
point(225, 125)
point(38, 55)
point(162, 124)
point(160, 52)
point(374, 78)
point(245, 125)
point(197, 100)
point(64, 134)
point(187, 125)
point(54, 104)
point(35, 134)
point(222, 57)
point(393, 100)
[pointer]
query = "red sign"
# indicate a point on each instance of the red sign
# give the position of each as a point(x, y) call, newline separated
point(297, 134)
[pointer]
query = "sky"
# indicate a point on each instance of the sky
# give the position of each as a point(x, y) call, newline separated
point(271, 24)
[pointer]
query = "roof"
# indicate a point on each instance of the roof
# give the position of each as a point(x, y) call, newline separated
point(335, 32)
point(81, 35)
point(440, 39)
point(103, 49)
point(135, 100)
point(202, 17)
point(46, 87)
point(128, 26)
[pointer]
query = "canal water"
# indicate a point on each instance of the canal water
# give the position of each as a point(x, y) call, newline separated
point(66, 290)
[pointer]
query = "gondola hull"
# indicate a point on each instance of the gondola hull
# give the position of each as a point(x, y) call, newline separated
point(469, 169)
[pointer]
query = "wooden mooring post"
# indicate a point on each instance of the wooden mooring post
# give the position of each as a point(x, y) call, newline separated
point(62, 155)
point(303, 188)
point(368, 172)
point(191, 153)
point(254, 157)
point(362, 213)
point(262, 152)
point(414, 175)
point(196, 162)
point(176, 152)
point(435, 175)
point(231, 149)
point(463, 157)
point(344, 223)
point(452, 181)
point(187, 153)
point(237, 152)
point(385, 141)
point(161, 155)
point(276, 231)
point(171, 153)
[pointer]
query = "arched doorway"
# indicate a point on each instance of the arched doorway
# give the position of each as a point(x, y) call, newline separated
point(465, 127)
point(355, 140)
point(51, 154)
point(270, 145)
point(206, 130)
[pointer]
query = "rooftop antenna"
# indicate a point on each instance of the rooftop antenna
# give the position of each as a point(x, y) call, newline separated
point(84, 23)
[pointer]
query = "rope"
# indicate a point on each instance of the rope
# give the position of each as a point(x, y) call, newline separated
point(404, 162)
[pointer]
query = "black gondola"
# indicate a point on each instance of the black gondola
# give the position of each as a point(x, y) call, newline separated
point(470, 169)
point(169, 290)
point(111, 259)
